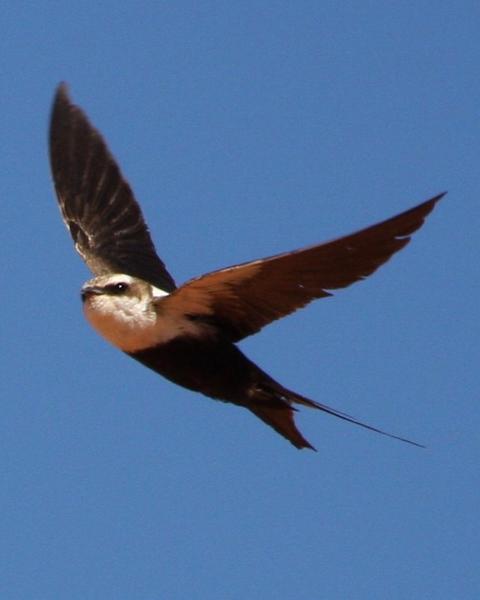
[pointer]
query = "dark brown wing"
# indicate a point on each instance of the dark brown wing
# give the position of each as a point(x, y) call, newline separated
point(244, 298)
point(97, 204)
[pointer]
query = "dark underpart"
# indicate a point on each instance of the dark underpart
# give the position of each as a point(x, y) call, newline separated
point(212, 366)
point(218, 369)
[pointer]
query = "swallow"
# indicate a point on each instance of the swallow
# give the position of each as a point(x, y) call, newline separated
point(189, 334)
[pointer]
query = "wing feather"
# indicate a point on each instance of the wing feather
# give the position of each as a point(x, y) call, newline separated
point(97, 203)
point(244, 298)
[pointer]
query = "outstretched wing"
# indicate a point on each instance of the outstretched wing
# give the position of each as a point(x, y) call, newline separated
point(244, 298)
point(97, 204)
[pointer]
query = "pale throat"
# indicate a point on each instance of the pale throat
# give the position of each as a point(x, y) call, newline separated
point(132, 324)
point(126, 322)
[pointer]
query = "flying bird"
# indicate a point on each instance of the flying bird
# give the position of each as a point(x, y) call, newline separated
point(189, 334)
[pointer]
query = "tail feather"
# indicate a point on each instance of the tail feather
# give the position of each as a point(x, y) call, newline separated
point(272, 403)
point(290, 396)
point(279, 415)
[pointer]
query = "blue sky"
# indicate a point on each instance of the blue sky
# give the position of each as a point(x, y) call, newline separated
point(247, 129)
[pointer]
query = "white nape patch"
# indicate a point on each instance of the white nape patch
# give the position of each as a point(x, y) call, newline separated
point(130, 321)
point(158, 293)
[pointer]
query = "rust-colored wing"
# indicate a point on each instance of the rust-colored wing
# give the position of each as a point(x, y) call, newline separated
point(97, 204)
point(244, 298)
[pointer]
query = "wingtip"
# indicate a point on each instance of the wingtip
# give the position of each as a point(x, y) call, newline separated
point(62, 90)
point(417, 215)
point(438, 197)
point(63, 86)
point(61, 101)
point(429, 204)
point(432, 202)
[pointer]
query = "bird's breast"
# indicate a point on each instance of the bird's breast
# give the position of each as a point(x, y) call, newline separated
point(135, 328)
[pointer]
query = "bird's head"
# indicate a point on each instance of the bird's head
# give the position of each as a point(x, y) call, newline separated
point(121, 308)
point(107, 288)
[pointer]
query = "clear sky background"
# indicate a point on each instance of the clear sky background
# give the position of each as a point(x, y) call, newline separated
point(247, 129)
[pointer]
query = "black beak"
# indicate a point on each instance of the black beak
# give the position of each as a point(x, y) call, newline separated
point(90, 291)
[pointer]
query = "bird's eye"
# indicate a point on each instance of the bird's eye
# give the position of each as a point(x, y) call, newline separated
point(118, 288)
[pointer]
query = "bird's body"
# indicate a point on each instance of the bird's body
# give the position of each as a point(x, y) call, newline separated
point(188, 351)
point(189, 334)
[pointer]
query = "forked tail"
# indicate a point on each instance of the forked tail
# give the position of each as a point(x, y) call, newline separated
point(273, 404)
